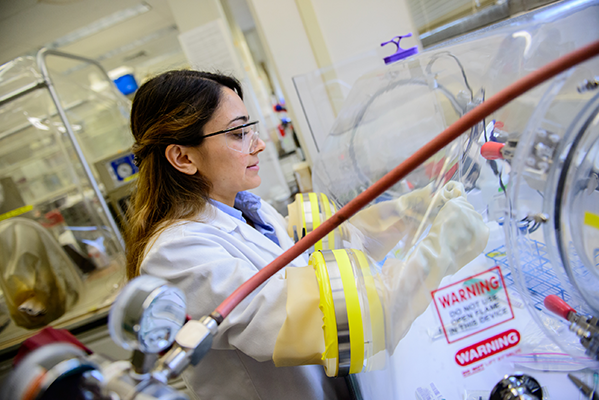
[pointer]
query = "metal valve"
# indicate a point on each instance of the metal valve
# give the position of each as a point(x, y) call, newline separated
point(586, 327)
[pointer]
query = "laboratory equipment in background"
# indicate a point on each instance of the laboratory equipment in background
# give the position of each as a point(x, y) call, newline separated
point(10, 198)
point(124, 80)
point(118, 173)
point(286, 134)
point(39, 280)
point(303, 176)
point(478, 326)
point(60, 115)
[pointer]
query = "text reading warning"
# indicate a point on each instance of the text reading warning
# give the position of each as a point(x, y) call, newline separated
point(473, 304)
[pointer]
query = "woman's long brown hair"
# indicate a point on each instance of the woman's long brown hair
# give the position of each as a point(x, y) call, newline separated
point(172, 108)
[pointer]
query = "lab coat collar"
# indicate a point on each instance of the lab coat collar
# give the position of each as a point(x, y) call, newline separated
point(227, 223)
point(220, 219)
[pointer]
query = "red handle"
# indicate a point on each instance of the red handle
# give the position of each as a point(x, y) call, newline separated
point(492, 150)
point(556, 305)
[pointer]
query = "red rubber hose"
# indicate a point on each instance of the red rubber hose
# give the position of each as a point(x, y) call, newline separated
point(424, 153)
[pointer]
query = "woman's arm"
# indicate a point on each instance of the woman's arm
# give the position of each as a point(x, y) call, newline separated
point(208, 268)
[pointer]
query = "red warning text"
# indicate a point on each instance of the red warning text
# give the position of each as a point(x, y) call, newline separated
point(488, 347)
point(475, 288)
point(473, 305)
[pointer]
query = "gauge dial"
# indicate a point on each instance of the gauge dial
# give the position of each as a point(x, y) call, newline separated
point(147, 315)
point(124, 170)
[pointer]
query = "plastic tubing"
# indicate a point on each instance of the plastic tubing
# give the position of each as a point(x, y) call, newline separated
point(424, 153)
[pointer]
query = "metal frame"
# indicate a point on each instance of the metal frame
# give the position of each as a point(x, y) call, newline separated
point(47, 83)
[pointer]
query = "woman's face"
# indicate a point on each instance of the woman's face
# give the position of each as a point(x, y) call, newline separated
point(228, 170)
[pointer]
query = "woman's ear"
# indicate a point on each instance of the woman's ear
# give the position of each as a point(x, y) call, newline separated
point(179, 158)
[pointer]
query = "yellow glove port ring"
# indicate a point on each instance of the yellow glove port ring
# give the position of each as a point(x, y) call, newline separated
point(352, 313)
point(306, 213)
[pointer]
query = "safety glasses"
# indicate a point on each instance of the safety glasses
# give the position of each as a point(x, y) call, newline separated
point(243, 138)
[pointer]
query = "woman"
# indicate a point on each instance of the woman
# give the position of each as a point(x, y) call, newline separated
point(195, 225)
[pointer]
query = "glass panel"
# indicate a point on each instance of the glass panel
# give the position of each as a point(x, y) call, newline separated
point(55, 238)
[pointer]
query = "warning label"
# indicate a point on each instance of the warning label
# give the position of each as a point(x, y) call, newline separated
point(473, 304)
point(487, 347)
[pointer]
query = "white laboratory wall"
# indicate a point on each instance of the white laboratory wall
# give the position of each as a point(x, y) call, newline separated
point(352, 27)
point(282, 32)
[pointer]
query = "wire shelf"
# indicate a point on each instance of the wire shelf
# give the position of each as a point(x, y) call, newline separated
point(541, 280)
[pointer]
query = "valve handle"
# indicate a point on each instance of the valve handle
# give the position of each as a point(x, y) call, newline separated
point(558, 306)
point(400, 53)
point(492, 150)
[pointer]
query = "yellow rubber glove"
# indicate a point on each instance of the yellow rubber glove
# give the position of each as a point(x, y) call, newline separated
point(300, 340)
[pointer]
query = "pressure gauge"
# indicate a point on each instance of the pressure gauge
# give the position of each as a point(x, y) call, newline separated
point(147, 315)
point(124, 170)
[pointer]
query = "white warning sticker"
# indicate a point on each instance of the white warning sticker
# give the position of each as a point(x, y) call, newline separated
point(473, 304)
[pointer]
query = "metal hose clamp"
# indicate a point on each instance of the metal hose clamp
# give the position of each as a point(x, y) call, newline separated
point(340, 313)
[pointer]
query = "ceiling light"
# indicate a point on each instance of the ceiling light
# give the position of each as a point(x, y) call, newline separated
point(100, 25)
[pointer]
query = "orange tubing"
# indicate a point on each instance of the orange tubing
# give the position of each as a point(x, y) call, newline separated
point(424, 153)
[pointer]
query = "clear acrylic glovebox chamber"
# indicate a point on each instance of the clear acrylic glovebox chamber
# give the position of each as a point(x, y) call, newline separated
point(323, 92)
point(59, 116)
point(488, 319)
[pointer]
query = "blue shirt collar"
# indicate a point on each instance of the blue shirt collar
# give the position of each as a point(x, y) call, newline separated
point(248, 204)
point(235, 213)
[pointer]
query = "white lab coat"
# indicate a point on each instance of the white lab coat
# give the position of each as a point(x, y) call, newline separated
point(208, 261)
